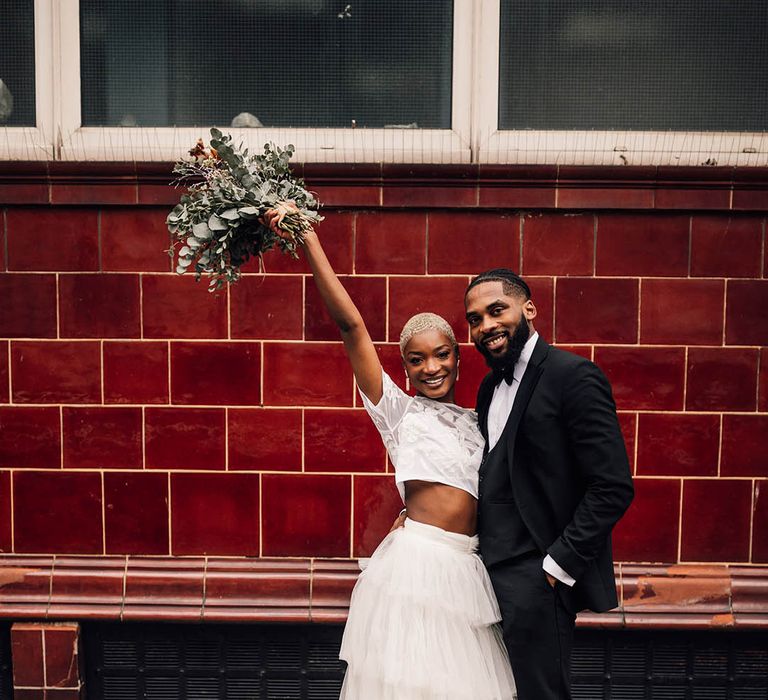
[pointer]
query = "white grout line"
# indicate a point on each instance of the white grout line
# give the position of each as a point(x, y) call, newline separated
point(10, 386)
point(98, 239)
point(725, 310)
point(720, 446)
point(680, 522)
point(11, 478)
point(637, 442)
point(101, 368)
point(639, 307)
point(753, 504)
point(141, 306)
point(303, 307)
point(144, 437)
point(229, 311)
point(58, 312)
point(426, 243)
point(386, 311)
point(261, 374)
point(125, 588)
point(311, 585)
point(170, 520)
point(554, 309)
point(42, 642)
point(61, 437)
point(170, 395)
point(594, 246)
point(226, 438)
point(103, 515)
point(685, 378)
point(261, 515)
point(352, 517)
point(690, 244)
point(5, 238)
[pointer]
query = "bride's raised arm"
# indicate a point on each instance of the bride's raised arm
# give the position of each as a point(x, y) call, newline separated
point(357, 342)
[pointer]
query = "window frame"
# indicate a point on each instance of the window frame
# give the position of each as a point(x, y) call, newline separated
point(474, 136)
point(37, 142)
point(592, 147)
point(334, 145)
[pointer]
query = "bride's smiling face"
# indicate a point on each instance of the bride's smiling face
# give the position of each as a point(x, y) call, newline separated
point(431, 362)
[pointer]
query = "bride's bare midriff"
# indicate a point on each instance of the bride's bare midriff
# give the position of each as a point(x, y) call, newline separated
point(441, 505)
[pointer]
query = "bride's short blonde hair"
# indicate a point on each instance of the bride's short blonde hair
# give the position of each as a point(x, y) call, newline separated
point(425, 322)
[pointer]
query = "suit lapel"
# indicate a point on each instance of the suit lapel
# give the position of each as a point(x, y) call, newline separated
point(527, 385)
point(484, 396)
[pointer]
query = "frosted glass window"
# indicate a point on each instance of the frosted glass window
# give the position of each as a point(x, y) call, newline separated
point(278, 63)
point(17, 63)
point(686, 65)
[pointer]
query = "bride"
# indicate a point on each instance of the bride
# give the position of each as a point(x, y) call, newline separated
point(423, 619)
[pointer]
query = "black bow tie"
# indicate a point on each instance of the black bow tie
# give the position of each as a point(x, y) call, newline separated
point(506, 374)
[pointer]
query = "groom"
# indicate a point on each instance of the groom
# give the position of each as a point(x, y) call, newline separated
point(554, 481)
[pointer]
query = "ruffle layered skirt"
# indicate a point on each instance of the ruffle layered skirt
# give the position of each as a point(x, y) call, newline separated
point(423, 623)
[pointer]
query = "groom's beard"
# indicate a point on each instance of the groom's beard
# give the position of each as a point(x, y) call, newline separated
point(515, 344)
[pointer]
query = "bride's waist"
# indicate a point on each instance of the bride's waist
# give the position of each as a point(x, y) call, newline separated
point(440, 505)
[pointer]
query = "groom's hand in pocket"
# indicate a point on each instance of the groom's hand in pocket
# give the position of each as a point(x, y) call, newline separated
point(551, 580)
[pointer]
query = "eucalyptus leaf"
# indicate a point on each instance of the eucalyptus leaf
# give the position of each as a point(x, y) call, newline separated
point(216, 223)
point(202, 231)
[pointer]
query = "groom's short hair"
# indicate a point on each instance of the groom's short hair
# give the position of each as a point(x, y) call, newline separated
point(511, 282)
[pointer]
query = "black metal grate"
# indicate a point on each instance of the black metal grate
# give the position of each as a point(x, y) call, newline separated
point(287, 662)
point(6, 670)
point(670, 666)
point(171, 662)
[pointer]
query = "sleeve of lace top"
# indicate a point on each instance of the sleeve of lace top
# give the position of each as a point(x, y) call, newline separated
point(388, 413)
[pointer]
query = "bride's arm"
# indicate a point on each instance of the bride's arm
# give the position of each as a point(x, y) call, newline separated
point(357, 342)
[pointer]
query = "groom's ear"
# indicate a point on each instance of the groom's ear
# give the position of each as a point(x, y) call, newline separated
point(529, 309)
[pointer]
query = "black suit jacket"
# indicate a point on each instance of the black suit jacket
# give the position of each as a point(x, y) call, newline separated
point(568, 469)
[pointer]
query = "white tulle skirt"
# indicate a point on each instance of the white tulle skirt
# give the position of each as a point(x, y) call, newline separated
point(423, 623)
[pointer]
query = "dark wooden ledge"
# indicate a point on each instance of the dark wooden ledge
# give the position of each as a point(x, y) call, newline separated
point(375, 185)
point(316, 590)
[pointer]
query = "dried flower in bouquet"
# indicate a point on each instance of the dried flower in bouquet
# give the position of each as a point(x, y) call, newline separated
point(219, 223)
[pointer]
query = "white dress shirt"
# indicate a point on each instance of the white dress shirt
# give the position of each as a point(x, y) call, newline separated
point(498, 413)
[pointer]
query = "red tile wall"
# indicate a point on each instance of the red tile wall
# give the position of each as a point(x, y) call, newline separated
point(140, 414)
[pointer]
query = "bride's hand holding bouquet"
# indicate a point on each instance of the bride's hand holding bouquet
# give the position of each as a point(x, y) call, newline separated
point(220, 222)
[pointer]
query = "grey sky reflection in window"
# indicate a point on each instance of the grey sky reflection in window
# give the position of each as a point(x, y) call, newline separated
point(695, 65)
point(282, 63)
point(17, 63)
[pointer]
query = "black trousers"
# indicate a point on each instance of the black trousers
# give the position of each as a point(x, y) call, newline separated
point(538, 630)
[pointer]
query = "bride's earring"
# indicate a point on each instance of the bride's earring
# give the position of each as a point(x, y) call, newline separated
point(407, 382)
point(457, 371)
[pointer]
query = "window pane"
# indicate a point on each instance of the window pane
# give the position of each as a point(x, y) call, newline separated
point(299, 63)
point(689, 65)
point(17, 63)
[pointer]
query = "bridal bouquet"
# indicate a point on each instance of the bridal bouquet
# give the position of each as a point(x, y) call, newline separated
point(219, 223)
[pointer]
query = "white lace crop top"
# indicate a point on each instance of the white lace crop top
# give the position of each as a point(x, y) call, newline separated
point(426, 439)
